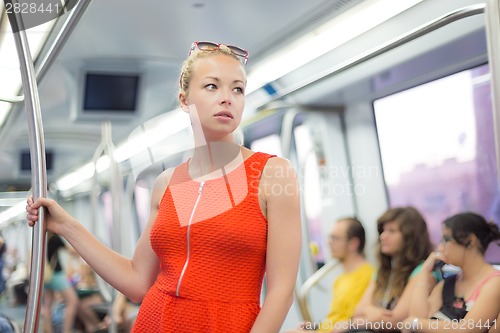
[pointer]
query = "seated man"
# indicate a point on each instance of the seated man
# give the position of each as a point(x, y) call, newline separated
point(347, 242)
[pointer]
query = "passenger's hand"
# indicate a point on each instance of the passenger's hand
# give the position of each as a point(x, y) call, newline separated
point(55, 215)
point(410, 325)
point(431, 260)
point(376, 314)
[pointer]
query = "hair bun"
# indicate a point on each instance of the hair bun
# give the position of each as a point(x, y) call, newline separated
point(494, 232)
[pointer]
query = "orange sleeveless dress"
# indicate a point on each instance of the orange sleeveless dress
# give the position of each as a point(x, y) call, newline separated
point(211, 238)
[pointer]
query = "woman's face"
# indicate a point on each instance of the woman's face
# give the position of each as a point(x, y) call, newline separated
point(448, 248)
point(391, 239)
point(216, 96)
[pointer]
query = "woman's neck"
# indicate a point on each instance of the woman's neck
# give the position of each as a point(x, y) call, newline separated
point(473, 264)
point(214, 156)
point(395, 262)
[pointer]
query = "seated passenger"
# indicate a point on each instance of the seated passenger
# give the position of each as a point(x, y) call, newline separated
point(404, 244)
point(3, 248)
point(124, 313)
point(468, 301)
point(89, 296)
point(58, 283)
point(347, 243)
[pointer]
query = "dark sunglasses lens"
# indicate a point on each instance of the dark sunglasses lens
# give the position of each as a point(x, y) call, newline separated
point(207, 46)
point(238, 51)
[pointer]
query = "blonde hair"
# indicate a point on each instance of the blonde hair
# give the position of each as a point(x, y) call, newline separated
point(187, 65)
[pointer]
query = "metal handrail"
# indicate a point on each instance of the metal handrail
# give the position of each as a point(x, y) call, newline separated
point(38, 167)
point(493, 35)
point(37, 146)
point(286, 145)
point(15, 99)
point(309, 284)
point(106, 147)
point(69, 25)
point(385, 47)
point(42, 66)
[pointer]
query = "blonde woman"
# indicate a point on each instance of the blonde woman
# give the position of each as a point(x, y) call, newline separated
point(218, 222)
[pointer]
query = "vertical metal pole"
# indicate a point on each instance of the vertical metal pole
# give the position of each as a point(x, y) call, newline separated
point(306, 268)
point(38, 169)
point(492, 18)
point(116, 195)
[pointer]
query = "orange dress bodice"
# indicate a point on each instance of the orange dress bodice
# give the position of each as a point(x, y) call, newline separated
point(211, 239)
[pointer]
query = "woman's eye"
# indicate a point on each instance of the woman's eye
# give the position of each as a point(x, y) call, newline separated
point(211, 86)
point(239, 90)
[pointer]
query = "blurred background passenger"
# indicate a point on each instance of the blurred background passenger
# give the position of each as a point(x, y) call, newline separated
point(404, 244)
point(59, 284)
point(471, 298)
point(347, 244)
point(83, 279)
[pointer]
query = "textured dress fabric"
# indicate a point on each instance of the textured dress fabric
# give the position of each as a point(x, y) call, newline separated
point(211, 238)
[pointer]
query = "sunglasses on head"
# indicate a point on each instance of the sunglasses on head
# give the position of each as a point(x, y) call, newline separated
point(210, 47)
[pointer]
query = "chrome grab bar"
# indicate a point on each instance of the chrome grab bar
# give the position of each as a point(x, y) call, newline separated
point(37, 145)
point(424, 29)
point(493, 37)
point(309, 284)
point(42, 66)
point(38, 169)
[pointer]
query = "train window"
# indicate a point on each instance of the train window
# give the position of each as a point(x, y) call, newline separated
point(270, 144)
point(438, 149)
point(309, 171)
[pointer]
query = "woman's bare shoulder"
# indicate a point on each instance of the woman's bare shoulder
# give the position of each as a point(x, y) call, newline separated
point(160, 185)
point(279, 168)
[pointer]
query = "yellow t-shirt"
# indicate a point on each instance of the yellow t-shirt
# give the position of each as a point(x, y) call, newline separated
point(347, 291)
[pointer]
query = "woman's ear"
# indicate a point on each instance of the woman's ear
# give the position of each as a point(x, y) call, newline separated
point(472, 241)
point(183, 102)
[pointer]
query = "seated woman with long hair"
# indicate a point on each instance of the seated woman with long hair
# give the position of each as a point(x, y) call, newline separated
point(404, 244)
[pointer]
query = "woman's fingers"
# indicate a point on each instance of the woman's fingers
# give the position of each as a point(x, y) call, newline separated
point(31, 211)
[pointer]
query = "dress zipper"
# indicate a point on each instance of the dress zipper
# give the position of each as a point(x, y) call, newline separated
point(188, 243)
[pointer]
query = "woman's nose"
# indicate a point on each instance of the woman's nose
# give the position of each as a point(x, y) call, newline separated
point(440, 247)
point(225, 96)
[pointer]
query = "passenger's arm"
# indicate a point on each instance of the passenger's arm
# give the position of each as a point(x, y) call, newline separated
point(367, 311)
point(484, 313)
point(402, 309)
point(426, 296)
point(133, 277)
point(280, 189)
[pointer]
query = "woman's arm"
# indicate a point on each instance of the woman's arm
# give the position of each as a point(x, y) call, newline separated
point(426, 294)
point(402, 308)
point(279, 187)
point(483, 315)
point(367, 311)
point(133, 277)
